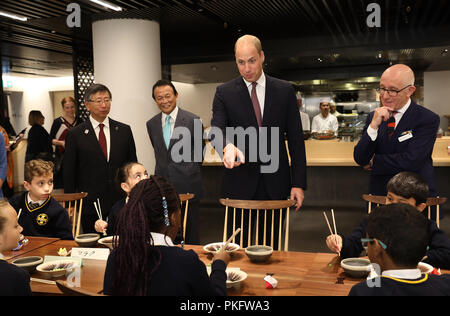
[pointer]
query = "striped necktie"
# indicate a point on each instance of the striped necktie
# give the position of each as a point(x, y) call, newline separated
point(391, 124)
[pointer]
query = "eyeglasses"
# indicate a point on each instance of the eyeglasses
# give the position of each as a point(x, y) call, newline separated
point(391, 93)
point(100, 101)
point(365, 242)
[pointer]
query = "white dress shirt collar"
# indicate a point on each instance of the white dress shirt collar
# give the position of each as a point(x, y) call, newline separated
point(405, 107)
point(161, 240)
point(261, 81)
point(173, 115)
point(29, 200)
point(406, 274)
point(95, 123)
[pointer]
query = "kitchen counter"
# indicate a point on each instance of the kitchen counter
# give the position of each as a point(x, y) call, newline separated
point(337, 153)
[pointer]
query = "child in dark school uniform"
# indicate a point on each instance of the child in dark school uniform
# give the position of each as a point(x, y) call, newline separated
point(14, 281)
point(145, 262)
point(127, 177)
point(397, 239)
point(409, 188)
point(41, 215)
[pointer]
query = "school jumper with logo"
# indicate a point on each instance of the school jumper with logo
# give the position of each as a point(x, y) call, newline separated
point(429, 285)
point(47, 220)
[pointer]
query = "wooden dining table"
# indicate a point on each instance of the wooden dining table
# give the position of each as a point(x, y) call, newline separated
point(297, 273)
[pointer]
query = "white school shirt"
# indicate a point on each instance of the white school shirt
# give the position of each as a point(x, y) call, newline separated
point(406, 274)
point(373, 133)
point(260, 91)
point(106, 130)
point(161, 240)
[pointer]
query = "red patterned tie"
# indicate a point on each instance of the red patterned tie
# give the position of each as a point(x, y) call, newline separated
point(102, 140)
point(391, 124)
point(256, 106)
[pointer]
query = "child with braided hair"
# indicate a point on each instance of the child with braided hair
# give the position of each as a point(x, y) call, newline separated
point(145, 261)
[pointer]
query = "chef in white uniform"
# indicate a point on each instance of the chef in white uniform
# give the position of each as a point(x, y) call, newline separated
point(324, 122)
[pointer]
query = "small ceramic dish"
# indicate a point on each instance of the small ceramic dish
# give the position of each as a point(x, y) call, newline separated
point(258, 253)
point(87, 240)
point(107, 242)
point(235, 277)
point(425, 267)
point(58, 268)
point(356, 267)
point(214, 247)
point(28, 263)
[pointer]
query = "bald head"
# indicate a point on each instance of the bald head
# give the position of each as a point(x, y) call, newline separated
point(248, 40)
point(400, 73)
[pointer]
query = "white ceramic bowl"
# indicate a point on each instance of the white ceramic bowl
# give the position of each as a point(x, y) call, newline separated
point(107, 242)
point(28, 263)
point(213, 247)
point(356, 267)
point(87, 240)
point(258, 253)
point(235, 277)
point(57, 268)
point(425, 267)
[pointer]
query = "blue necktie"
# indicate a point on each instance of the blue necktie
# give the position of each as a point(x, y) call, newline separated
point(166, 132)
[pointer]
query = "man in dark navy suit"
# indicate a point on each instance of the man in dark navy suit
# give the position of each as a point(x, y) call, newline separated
point(399, 135)
point(95, 150)
point(256, 101)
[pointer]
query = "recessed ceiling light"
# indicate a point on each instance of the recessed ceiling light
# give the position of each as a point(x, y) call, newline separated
point(13, 16)
point(107, 5)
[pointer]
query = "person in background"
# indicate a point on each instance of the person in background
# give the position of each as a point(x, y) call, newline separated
point(58, 132)
point(306, 125)
point(184, 175)
point(3, 164)
point(127, 177)
point(8, 183)
point(333, 109)
point(41, 214)
point(397, 238)
point(145, 261)
point(409, 188)
point(14, 281)
point(39, 142)
point(95, 149)
point(399, 135)
point(324, 122)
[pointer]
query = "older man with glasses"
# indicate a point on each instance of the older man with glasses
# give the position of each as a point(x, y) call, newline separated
point(95, 150)
point(399, 135)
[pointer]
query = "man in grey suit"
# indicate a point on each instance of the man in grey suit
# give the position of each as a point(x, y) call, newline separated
point(177, 138)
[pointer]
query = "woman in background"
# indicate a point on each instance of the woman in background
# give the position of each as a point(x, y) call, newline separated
point(58, 132)
point(39, 142)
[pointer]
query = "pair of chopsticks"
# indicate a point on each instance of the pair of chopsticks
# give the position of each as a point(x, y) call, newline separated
point(334, 224)
point(224, 247)
point(99, 212)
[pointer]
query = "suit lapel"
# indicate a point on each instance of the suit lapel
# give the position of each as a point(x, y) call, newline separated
point(113, 137)
point(267, 101)
point(180, 121)
point(247, 101)
point(405, 120)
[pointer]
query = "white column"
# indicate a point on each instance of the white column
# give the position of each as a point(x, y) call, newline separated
point(127, 59)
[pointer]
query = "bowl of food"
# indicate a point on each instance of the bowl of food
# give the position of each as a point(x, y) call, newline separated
point(87, 240)
point(235, 277)
point(258, 253)
point(58, 268)
point(214, 247)
point(323, 135)
point(425, 267)
point(356, 267)
point(107, 242)
point(28, 263)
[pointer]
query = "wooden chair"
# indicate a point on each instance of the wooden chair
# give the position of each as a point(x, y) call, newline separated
point(72, 202)
point(381, 199)
point(184, 198)
point(377, 199)
point(435, 201)
point(73, 291)
point(261, 208)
